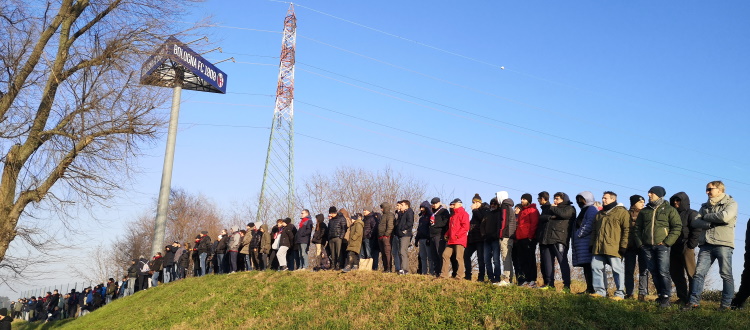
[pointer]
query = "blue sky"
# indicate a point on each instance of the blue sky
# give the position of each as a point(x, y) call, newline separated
point(595, 95)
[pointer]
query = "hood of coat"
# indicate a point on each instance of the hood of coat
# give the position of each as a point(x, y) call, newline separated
point(386, 207)
point(427, 208)
point(507, 202)
point(501, 195)
point(264, 227)
point(684, 201)
point(587, 196)
point(566, 199)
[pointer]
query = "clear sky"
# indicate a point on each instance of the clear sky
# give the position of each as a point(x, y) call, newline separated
point(594, 95)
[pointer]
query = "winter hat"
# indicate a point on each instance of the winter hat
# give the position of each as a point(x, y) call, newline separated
point(658, 191)
point(251, 224)
point(494, 201)
point(4, 311)
point(205, 232)
point(332, 209)
point(288, 220)
point(476, 198)
point(435, 200)
point(635, 199)
point(527, 197)
point(457, 200)
point(501, 196)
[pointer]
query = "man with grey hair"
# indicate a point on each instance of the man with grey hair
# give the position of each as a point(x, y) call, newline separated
point(718, 216)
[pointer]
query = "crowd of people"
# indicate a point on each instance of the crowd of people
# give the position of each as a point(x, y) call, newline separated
point(500, 238)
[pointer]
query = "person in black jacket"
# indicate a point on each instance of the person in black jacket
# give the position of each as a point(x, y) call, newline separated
point(221, 250)
point(438, 228)
point(426, 265)
point(336, 231)
point(554, 236)
point(475, 242)
point(319, 236)
point(404, 230)
point(5, 319)
point(302, 239)
point(168, 273)
point(682, 253)
point(365, 253)
point(286, 239)
point(204, 248)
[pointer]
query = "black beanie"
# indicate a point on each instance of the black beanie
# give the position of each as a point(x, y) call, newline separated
point(288, 220)
point(658, 191)
point(476, 198)
point(527, 197)
point(332, 209)
point(635, 199)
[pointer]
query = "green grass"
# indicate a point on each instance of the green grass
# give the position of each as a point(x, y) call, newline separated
point(375, 300)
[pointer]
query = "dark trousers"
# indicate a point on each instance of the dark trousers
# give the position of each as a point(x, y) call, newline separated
point(255, 259)
point(436, 253)
point(524, 255)
point(477, 247)
point(588, 274)
point(335, 245)
point(375, 249)
point(681, 265)
point(144, 281)
point(273, 263)
point(550, 253)
point(385, 250)
point(233, 261)
point(263, 259)
point(353, 259)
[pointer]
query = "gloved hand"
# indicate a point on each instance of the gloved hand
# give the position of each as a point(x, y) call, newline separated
point(622, 252)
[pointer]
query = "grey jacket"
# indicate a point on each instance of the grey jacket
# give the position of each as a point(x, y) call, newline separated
point(234, 242)
point(718, 221)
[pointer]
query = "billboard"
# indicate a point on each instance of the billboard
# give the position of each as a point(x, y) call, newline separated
point(174, 61)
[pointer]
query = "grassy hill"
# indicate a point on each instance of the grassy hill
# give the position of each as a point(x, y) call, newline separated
point(375, 300)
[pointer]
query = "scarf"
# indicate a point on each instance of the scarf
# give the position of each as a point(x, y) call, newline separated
point(609, 206)
point(715, 200)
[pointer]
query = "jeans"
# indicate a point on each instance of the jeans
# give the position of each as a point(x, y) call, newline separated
point(706, 256)
point(334, 244)
point(599, 275)
point(548, 254)
point(365, 251)
point(303, 256)
point(232, 261)
point(129, 289)
point(492, 259)
point(155, 279)
point(396, 251)
point(281, 256)
point(452, 253)
point(403, 252)
point(203, 256)
point(477, 247)
point(220, 261)
point(631, 256)
point(682, 264)
point(168, 274)
point(428, 265)
point(657, 260)
point(248, 264)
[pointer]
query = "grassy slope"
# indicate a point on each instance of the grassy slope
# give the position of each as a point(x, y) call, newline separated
point(375, 300)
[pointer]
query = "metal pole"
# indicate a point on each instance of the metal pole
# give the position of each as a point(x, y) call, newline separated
point(160, 226)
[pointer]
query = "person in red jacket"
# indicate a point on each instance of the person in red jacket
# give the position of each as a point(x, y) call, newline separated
point(524, 251)
point(458, 229)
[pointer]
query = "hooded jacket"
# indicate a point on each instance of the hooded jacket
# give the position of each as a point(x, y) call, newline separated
point(423, 228)
point(528, 220)
point(439, 226)
point(356, 234)
point(405, 224)
point(287, 236)
point(265, 240)
point(204, 245)
point(610, 232)
point(718, 221)
point(581, 230)
point(385, 228)
point(234, 242)
point(658, 224)
point(370, 226)
point(633, 212)
point(458, 227)
point(491, 224)
point(509, 224)
point(304, 232)
point(555, 222)
point(337, 226)
point(221, 248)
point(475, 230)
point(690, 235)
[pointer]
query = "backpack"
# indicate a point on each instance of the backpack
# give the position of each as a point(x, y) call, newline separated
point(144, 267)
point(325, 261)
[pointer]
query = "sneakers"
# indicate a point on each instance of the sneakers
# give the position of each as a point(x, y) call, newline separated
point(688, 307)
point(502, 283)
point(546, 287)
point(628, 296)
point(595, 295)
point(664, 302)
point(402, 272)
point(346, 269)
point(617, 298)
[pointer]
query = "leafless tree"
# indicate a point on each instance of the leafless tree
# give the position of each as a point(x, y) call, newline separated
point(72, 114)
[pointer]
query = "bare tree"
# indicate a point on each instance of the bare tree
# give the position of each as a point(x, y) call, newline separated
point(99, 266)
point(72, 114)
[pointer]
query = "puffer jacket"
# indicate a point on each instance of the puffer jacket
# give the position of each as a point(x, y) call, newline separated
point(265, 240)
point(458, 227)
point(610, 232)
point(319, 236)
point(718, 221)
point(555, 221)
point(370, 223)
point(356, 235)
point(581, 230)
point(632, 245)
point(528, 220)
point(477, 215)
point(423, 228)
point(234, 242)
point(509, 224)
point(405, 225)
point(337, 227)
point(287, 236)
point(690, 235)
point(491, 224)
point(385, 228)
point(204, 245)
point(657, 223)
point(221, 248)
